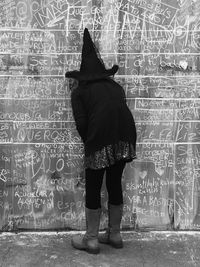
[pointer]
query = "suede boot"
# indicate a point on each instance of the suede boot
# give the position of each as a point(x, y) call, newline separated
point(89, 242)
point(112, 236)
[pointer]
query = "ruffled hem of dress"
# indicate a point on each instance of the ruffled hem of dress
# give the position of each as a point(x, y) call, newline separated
point(110, 154)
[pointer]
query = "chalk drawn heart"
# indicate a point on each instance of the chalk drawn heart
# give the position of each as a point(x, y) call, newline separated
point(143, 174)
point(159, 171)
point(183, 64)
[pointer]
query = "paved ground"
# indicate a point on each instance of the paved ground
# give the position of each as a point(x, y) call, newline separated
point(142, 249)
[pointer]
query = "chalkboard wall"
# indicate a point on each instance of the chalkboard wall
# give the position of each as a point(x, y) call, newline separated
point(156, 45)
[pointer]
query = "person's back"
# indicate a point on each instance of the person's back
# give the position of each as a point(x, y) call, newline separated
point(106, 91)
point(98, 96)
point(109, 120)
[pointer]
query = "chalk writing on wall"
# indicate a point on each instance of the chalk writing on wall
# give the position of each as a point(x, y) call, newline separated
point(156, 45)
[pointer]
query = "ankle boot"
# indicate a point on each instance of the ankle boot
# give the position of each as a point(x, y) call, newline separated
point(112, 236)
point(89, 242)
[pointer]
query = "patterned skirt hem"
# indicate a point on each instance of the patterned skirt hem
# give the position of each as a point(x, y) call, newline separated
point(110, 154)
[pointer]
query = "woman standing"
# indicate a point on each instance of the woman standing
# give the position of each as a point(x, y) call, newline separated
point(107, 129)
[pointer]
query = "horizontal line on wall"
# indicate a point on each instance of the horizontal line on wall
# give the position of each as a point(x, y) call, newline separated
point(132, 98)
point(37, 128)
point(102, 53)
point(18, 98)
point(163, 121)
point(91, 30)
point(163, 98)
point(116, 76)
point(22, 143)
point(170, 143)
point(72, 121)
point(68, 98)
point(72, 143)
point(147, 123)
point(163, 109)
point(158, 86)
point(39, 121)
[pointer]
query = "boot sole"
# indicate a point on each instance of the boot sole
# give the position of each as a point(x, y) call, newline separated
point(114, 245)
point(93, 251)
point(110, 243)
point(89, 250)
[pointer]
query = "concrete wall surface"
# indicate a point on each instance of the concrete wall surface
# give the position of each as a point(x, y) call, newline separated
point(156, 44)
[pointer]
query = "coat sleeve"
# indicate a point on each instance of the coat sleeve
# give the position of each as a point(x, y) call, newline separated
point(123, 95)
point(79, 114)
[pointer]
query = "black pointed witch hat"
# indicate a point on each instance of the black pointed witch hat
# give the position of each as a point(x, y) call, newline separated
point(92, 66)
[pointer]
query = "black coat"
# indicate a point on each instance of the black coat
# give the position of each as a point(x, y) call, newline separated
point(101, 115)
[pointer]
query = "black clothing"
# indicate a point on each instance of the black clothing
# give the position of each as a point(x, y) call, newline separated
point(107, 129)
point(110, 154)
point(94, 179)
point(92, 66)
point(102, 116)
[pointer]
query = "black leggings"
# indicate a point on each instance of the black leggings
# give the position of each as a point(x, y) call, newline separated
point(94, 180)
